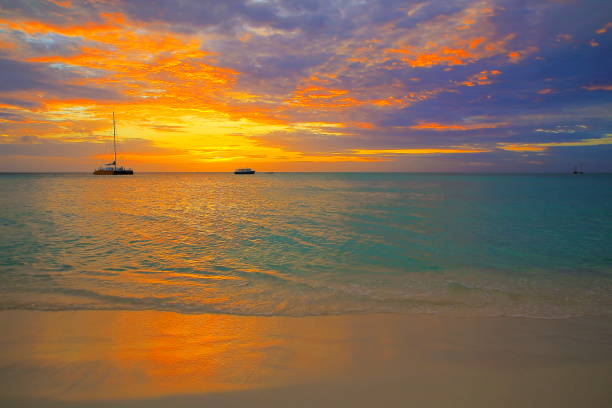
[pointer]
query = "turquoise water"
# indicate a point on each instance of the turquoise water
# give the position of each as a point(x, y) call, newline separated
point(302, 244)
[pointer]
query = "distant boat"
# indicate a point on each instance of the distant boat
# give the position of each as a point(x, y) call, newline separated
point(244, 171)
point(578, 169)
point(110, 169)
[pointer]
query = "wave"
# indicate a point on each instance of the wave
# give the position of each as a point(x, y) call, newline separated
point(274, 296)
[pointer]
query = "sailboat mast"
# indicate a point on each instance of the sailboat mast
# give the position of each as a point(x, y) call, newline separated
point(114, 141)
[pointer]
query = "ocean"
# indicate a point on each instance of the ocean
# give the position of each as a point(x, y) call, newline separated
point(304, 244)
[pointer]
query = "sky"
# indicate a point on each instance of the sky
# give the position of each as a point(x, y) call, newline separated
point(307, 85)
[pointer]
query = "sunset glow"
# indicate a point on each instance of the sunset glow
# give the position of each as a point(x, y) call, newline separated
point(292, 86)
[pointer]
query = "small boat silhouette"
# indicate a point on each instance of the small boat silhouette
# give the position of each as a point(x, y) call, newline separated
point(244, 171)
point(110, 169)
point(578, 169)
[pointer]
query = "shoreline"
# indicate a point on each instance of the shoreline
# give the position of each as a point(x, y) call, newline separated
point(149, 358)
point(409, 313)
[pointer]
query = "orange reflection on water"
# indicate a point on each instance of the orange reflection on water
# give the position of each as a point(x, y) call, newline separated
point(181, 353)
point(116, 355)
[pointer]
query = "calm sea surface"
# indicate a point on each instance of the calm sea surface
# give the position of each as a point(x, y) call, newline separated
point(302, 244)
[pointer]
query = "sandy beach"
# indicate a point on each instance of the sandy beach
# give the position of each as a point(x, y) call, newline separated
point(157, 359)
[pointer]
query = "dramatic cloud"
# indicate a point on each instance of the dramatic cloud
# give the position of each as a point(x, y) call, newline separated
point(468, 85)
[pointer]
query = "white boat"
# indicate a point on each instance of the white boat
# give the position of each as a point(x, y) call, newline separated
point(244, 171)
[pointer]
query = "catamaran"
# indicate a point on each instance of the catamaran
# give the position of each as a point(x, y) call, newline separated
point(111, 168)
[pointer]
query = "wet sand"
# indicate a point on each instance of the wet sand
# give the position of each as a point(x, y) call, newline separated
point(160, 359)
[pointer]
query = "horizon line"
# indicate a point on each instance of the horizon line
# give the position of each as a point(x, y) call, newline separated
point(317, 172)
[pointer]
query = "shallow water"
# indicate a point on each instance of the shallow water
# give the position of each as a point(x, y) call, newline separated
point(308, 243)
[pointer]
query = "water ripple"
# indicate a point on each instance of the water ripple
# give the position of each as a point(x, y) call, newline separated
point(307, 244)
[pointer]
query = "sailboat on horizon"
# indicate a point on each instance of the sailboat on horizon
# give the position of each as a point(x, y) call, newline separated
point(578, 169)
point(110, 169)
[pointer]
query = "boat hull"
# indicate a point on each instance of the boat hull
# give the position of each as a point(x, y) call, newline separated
point(113, 172)
point(245, 172)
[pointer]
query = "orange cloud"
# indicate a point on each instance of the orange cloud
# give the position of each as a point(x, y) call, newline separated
point(514, 56)
point(320, 91)
point(417, 151)
point(522, 148)
point(362, 125)
point(604, 29)
point(110, 21)
point(598, 88)
point(322, 97)
point(143, 63)
point(167, 79)
point(245, 37)
point(335, 158)
point(481, 78)
point(313, 96)
point(149, 65)
point(539, 147)
point(460, 39)
point(6, 45)
point(446, 127)
point(563, 37)
point(443, 56)
point(518, 55)
point(64, 3)
point(460, 51)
